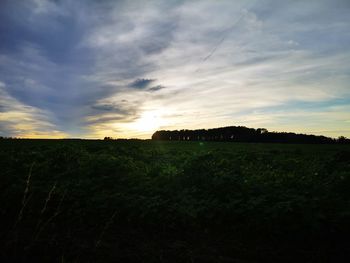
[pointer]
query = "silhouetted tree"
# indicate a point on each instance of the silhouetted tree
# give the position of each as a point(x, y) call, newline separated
point(243, 134)
point(343, 140)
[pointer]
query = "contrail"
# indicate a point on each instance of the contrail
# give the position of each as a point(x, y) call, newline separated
point(222, 39)
point(228, 31)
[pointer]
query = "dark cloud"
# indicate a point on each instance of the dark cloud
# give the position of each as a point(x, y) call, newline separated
point(111, 107)
point(156, 88)
point(2, 108)
point(124, 111)
point(115, 118)
point(56, 30)
point(141, 83)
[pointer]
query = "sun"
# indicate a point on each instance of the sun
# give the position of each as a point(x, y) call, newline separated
point(149, 121)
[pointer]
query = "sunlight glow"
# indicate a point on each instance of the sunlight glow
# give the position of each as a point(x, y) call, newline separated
point(149, 121)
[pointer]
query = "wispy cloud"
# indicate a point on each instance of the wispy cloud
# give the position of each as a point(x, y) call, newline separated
point(20, 120)
point(97, 68)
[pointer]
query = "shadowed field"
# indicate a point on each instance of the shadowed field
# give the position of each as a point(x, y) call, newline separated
point(148, 201)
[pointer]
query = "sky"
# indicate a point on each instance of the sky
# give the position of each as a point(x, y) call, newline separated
point(124, 69)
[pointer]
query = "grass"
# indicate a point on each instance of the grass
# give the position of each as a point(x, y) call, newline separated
point(148, 201)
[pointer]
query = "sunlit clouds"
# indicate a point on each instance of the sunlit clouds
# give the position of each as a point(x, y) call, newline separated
point(25, 121)
point(124, 69)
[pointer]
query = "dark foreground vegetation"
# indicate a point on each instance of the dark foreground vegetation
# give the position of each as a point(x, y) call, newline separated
point(244, 134)
point(153, 201)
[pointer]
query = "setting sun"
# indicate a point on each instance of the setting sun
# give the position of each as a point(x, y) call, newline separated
point(149, 121)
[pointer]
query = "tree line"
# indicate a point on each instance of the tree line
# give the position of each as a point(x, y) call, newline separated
point(244, 134)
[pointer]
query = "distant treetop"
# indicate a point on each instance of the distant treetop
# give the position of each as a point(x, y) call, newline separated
point(243, 134)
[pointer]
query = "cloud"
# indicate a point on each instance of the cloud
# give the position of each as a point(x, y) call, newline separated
point(20, 120)
point(141, 83)
point(85, 68)
point(112, 110)
point(156, 88)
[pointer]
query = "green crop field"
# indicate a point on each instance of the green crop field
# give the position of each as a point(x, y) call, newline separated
point(152, 201)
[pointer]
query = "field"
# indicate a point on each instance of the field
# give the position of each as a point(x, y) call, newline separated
point(148, 201)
